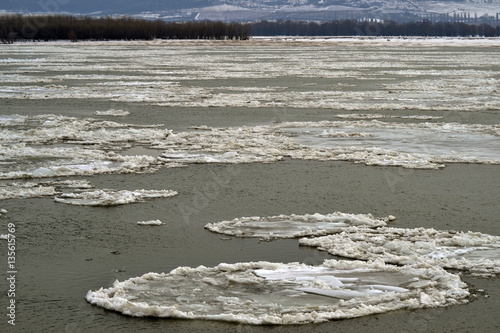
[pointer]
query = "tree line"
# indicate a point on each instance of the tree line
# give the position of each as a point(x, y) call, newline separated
point(65, 27)
point(373, 28)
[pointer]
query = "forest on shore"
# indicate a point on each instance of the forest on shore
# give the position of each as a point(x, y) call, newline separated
point(65, 27)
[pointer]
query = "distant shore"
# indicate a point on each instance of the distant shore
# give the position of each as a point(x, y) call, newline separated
point(17, 27)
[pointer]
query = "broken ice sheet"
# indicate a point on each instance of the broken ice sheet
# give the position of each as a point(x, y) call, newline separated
point(292, 226)
point(39, 189)
point(410, 145)
point(52, 146)
point(275, 293)
point(25, 190)
point(473, 252)
point(112, 197)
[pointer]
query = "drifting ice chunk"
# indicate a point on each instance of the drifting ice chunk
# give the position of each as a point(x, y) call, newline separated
point(274, 293)
point(292, 226)
point(112, 112)
point(43, 172)
point(474, 252)
point(111, 197)
point(25, 190)
point(152, 222)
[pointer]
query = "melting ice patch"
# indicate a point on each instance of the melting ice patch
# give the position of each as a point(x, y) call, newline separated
point(474, 252)
point(275, 293)
point(293, 226)
point(111, 197)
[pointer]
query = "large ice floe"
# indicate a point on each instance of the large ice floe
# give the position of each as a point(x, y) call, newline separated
point(410, 145)
point(111, 197)
point(401, 269)
point(51, 146)
point(275, 293)
point(472, 252)
point(293, 226)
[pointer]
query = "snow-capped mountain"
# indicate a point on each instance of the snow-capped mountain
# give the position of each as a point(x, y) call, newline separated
point(251, 10)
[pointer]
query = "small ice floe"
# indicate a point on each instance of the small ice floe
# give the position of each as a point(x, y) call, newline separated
point(275, 293)
point(152, 222)
point(80, 184)
point(12, 120)
point(112, 112)
point(41, 162)
point(473, 252)
point(26, 190)
point(111, 197)
point(293, 226)
point(379, 116)
point(4, 237)
point(39, 189)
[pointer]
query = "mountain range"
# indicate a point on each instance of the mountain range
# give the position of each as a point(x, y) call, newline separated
point(246, 10)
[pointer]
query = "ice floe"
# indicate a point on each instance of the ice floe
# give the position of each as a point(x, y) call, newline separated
point(275, 293)
point(151, 222)
point(411, 145)
point(293, 226)
point(381, 116)
point(39, 189)
point(112, 112)
point(51, 146)
point(473, 252)
point(111, 197)
point(25, 190)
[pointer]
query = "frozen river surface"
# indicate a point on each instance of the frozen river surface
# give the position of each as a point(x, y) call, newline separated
point(118, 124)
